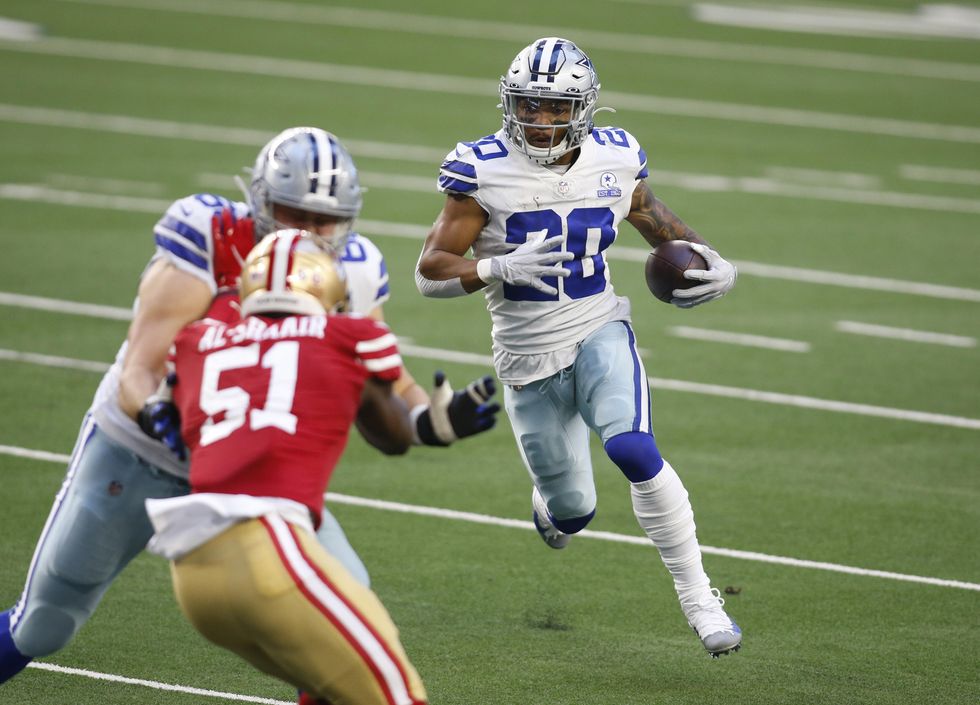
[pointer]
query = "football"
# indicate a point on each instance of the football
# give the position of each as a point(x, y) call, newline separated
point(666, 266)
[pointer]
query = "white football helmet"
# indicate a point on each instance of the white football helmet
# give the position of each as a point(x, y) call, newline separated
point(306, 168)
point(289, 272)
point(550, 68)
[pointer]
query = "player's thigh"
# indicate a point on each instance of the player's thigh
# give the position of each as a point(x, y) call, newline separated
point(613, 393)
point(554, 443)
point(332, 537)
point(269, 592)
point(98, 522)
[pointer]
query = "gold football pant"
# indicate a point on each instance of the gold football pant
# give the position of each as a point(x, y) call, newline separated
point(267, 590)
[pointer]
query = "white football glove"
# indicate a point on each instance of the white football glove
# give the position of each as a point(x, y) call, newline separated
point(718, 278)
point(527, 265)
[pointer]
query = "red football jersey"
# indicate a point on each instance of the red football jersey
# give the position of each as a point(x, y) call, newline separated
point(266, 404)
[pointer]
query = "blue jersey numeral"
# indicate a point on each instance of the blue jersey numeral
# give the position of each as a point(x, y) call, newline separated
point(616, 137)
point(354, 252)
point(590, 233)
point(212, 201)
point(488, 148)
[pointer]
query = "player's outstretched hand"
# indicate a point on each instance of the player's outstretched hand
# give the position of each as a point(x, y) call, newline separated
point(454, 415)
point(718, 278)
point(233, 239)
point(530, 263)
point(160, 419)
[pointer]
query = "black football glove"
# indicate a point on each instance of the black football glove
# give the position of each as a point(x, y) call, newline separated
point(160, 419)
point(454, 415)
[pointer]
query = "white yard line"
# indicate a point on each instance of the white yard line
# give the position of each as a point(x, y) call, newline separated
point(156, 685)
point(785, 183)
point(486, 519)
point(44, 194)
point(908, 334)
point(17, 31)
point(917, 172)
point(643, 541)
point(946, 21)
point(53, 361)
point(590, 39)
point(366, 76)
point(674, 385)
point(753, 341)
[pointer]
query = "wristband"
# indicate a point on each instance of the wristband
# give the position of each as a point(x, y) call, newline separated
point(484, 270)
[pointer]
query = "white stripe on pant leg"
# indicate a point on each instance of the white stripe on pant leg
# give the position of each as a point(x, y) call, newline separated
point(84, 435)
point(335, 605)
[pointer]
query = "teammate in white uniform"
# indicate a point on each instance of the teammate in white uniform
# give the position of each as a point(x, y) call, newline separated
point(539, 203)
point(303, 178)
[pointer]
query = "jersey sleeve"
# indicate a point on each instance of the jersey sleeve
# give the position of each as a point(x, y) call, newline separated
point(627, 145)
point(367, 274)
point(183, 234)
point(457, 174)
point(376, 348)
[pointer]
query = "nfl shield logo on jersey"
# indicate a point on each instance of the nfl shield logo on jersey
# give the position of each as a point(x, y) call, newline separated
point(608, 189)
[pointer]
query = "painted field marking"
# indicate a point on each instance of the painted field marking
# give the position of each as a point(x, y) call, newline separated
point(804, 184)
point(674, 385)
point(590, 39)
point(917, 172)
point(35, 193)
point(156, 685)
point(925, 22)
point(362, 76)
point(915, 336)
point(754, 341)
point(486, 519)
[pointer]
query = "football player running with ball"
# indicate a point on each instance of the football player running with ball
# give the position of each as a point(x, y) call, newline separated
point(303, 178)
point(540, 202)
point(287, 382)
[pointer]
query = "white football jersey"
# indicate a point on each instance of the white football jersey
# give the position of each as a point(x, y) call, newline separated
point(183, 238)
point(535, 334)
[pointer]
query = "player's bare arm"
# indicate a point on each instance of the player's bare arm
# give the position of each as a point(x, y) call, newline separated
point(406, 387)
point(169, 299)
point(655, 221)
point(456, 229)
point(383, 419)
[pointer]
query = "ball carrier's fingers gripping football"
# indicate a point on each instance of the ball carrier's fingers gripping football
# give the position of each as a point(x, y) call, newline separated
point(687, 274)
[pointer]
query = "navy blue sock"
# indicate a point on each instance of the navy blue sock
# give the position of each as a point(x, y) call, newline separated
point(573, 525)
point(636, 455)
point(12, 661)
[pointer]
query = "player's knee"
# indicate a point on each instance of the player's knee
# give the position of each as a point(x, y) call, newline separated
point(636, 455)
point(44, 630)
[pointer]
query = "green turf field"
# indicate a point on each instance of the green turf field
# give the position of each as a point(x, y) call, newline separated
point(835, 483)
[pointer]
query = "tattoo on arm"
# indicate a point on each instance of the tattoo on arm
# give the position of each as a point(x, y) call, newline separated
point(655, 221)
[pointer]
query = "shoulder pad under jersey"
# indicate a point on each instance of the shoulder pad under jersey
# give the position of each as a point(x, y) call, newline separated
point(367, 274)
point(183, 234)
point(619, 140)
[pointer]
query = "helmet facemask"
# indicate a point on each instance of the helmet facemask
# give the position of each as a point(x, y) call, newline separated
point(307, 169)
point(547, 72)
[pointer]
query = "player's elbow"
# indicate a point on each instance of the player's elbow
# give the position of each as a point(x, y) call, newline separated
point(437, 289)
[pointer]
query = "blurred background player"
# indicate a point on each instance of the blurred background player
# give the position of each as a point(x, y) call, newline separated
point(266, 406)
point(540, 202)
point(303, 177)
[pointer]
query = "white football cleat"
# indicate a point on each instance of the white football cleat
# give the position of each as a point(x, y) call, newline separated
point(542, 522)
point(717, 631)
